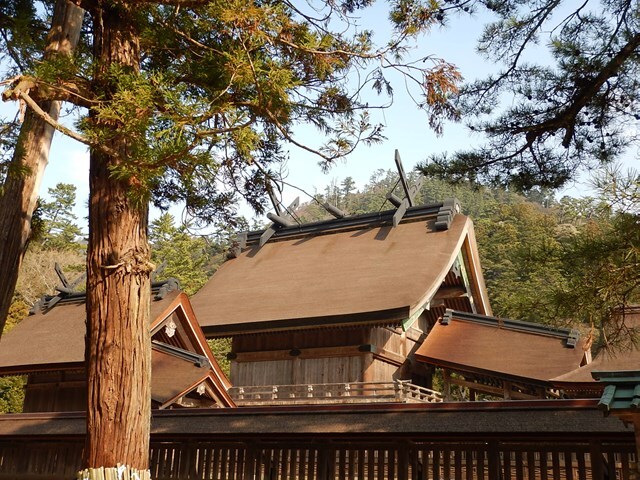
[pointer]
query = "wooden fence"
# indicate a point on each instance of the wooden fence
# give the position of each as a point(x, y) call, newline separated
point(559, 440)
point(322, 460)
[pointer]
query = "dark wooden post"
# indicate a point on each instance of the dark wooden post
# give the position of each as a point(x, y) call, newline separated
point(597, 466)
point(493, 452)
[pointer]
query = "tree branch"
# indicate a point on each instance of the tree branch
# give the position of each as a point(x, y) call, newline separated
point(77, 91)
point(24, 96)
point(566, 118)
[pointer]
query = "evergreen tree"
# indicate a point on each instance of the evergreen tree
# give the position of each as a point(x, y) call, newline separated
point(57, 220)
point(543, 122)
point(187, 258)
point(602, 264)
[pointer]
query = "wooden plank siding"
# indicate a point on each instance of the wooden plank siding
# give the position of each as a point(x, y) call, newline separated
point(332, 356)
point(304, 459)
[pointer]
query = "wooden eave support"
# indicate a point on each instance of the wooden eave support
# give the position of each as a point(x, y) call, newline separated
point(335, 211)
point(446, 292)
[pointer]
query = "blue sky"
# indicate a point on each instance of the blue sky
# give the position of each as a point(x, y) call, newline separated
point(406, 127)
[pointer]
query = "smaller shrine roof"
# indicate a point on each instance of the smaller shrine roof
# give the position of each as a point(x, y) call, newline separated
point(491, 346)
point(53, 338)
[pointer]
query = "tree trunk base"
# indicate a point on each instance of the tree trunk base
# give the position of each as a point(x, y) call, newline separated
point(121, 472)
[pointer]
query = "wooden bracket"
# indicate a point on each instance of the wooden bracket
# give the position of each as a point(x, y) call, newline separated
point(335, 211)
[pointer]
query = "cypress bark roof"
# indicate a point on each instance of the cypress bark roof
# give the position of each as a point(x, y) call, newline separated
point(54, 339)
point(353, 270)
point(507, 348)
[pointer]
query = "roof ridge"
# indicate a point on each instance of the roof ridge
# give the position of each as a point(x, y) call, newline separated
point(571, 335)
point(383, 218)
point(159, 290)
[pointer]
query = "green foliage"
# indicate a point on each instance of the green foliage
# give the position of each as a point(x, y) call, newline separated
point(55, 227)
point(188, 258)
point(221, 85)
point(17, 312)
point(12, 388)
point(602, 265)
point(11, 394)
point(519, 246)
point(545, 120)
point(23, 32)
point(220, 347)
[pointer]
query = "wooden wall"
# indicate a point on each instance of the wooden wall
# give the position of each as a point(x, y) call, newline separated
point(297, 371)
point(55, 392)
point(337, 355)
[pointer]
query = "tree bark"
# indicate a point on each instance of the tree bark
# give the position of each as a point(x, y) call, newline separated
point(20, 189)
point(118, 345)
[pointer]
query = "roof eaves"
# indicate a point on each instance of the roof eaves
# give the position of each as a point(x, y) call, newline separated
point(392, 317)
point(198, 360)
point(622, 391)
point(65, 297)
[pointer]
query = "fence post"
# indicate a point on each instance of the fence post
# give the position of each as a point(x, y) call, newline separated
point(597, 466)
point(398, 387)
point(326, 462)
point(493, 452)
point(249, 469)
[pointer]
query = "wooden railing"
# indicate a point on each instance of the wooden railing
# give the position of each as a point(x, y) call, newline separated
point(352, 392)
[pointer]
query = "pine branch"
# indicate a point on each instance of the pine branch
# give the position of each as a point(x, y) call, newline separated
point(566, 118)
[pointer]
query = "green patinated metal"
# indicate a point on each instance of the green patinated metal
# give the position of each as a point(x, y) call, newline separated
point(407, 322)
point(622, 393)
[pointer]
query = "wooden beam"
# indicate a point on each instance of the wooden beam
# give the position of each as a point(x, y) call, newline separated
point(403, 179)
point(400, 211)
point(279, 221)
point(445, 292)
point(497, 391)
point(274, 200)
point(317, 352)
point(390, 357)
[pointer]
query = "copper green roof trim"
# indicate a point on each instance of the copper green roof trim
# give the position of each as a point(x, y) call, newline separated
point(622, 392)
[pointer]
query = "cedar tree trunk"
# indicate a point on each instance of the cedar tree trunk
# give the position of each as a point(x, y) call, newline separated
point(20, 190)
point(118, 345)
